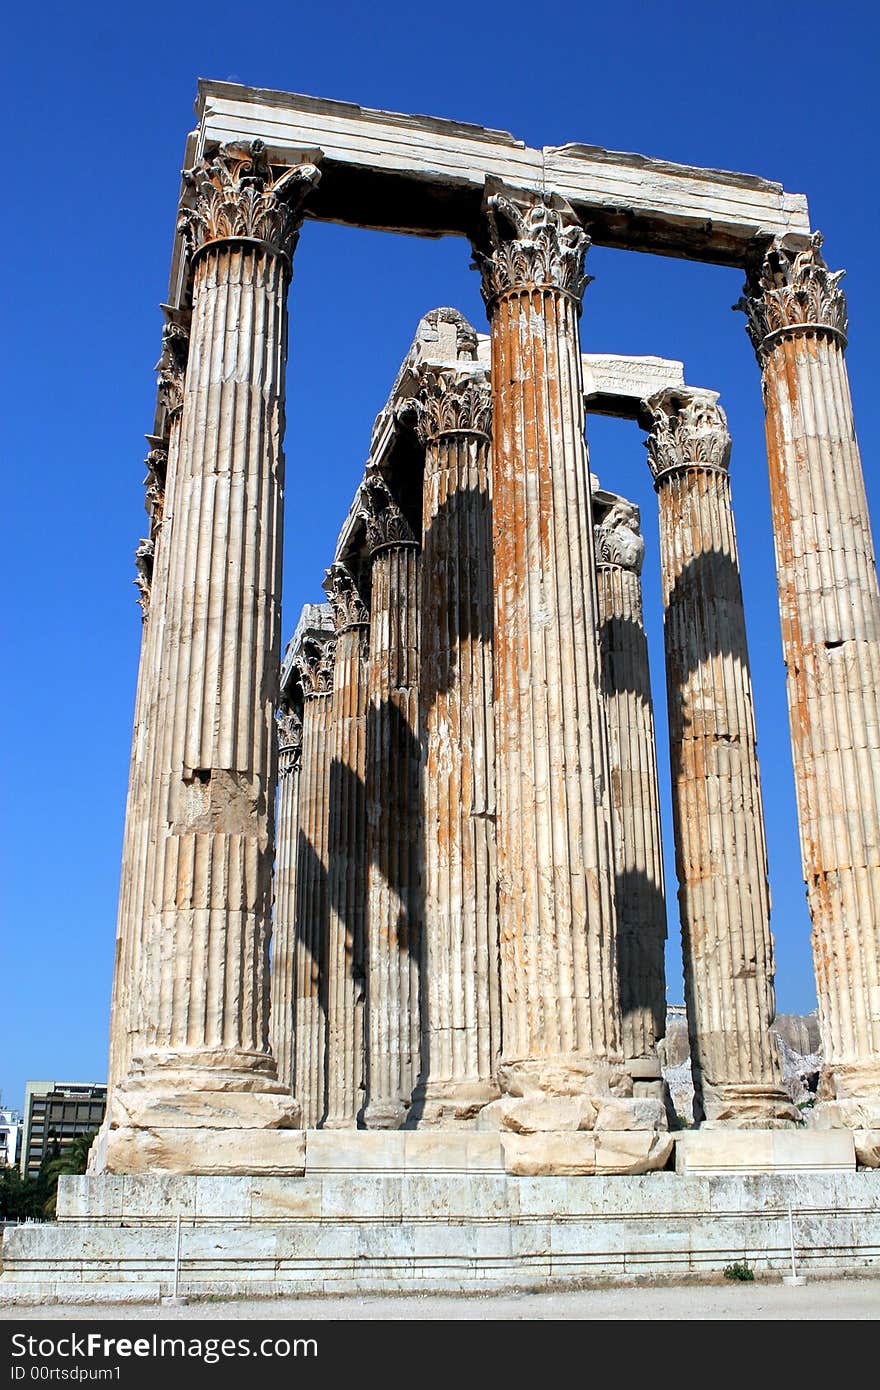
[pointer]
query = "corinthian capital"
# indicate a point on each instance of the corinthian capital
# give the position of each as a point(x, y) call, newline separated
point(531, 243)
point(314, 663)
point(143, 579)
point(154, 482)
point(686, 429)
point(793, 291)
point(386, 523)
point(237, 194)
point(349, 609)
point(288, 727)
point(171, 366)
point(619, 539)
point(450, 403)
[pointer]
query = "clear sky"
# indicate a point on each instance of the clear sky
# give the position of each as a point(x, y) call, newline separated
point(98, 100)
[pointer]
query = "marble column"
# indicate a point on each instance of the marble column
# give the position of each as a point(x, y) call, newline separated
point(151, 560)
point(289, 728)
point(315, 663)
point(202, 1062)
point(461, 1025)
point(347, 853)
point(720, 849)
point(638, 846)
point(562, 1054)
point(830, 612)
point(394, 888)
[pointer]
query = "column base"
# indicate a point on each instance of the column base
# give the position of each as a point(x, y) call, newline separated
point(450, 1104)
point(570, 1094)
point(177, 1114)
point(386, 1113)
point(849, 1098)
point(747, 1106)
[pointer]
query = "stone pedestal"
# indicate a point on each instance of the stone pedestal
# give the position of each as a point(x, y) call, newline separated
point(720, 849)
point(394, 888)
point(460, 999)
point(201, 1058)
point(830, 613)
point(315, 662)
point(562, 1066)
point(290, 731)
point(347, 854)
point(638, 847)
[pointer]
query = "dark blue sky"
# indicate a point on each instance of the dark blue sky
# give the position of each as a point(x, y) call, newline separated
point(99, 100)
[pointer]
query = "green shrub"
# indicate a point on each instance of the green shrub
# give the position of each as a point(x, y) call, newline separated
point(740, 1272)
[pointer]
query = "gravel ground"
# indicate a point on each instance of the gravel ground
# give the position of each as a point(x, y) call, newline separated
point(826, 1299)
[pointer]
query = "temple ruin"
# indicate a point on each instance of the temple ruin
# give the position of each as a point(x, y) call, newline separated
point(440, 803)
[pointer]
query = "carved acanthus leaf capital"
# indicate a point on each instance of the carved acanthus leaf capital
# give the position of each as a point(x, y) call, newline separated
point(171, 366)
point(619, 539)
point(237, 194)
point(793, 291)
point(531, 243)
point(386, 523)
point(349, 609)
point(154, 483)
point(288, 727)
point(314, 662)
point(143, 579)
point(450, 403)
point(686, 429)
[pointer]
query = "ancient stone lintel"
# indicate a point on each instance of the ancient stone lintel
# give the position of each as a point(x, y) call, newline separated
point(386, 523)
point(314, 662)
point(289, 729)
point(531, 243)
point(143, 561)
point(349, 609)
point(237, 195)
point(686, 429)
point(451, 403)
point(793, 292)
point(619, 539)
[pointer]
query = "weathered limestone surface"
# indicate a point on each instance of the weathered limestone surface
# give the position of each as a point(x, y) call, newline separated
point(152, 580)
point(200, 1000)
point(289, 726)
point(460, 999)
point(424, 174)
point(394, 887)
point(635, 794)
point(347, 853)
point(721, 855)
point(562, 1055)
point(830, 614)
point(315, 662)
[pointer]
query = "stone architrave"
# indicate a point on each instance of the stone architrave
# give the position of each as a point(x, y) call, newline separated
point(346, 853)
point(720, 848)
point(394, 887)
point(830, 613)
point(201, 1059)
point(289, 730)
point(151, 559)
point(461, 1025)
point(315, 663)
point(638, 846)
point(562, 1066)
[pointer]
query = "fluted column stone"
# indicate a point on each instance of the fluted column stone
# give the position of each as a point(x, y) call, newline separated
point(461, 1024)
point(289, 728)
point(720, 846)
point(638, 847)
point(394, 887)
point(347, 853)
point(201, 1059)
point(315, 663)
point(830, 611)
point(152, 562)
point(562, 1064)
